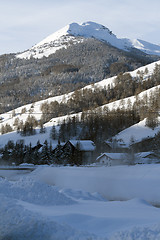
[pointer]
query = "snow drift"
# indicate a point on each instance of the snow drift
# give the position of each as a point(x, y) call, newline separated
point(32, 209)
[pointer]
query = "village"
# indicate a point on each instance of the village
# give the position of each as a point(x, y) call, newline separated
point(76, 152)
point(114, 153)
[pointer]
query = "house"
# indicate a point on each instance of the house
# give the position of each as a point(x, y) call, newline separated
point(112, 159)
point(80, 151)
point(147, 157)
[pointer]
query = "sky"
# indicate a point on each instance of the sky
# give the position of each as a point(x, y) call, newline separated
point(25, 23)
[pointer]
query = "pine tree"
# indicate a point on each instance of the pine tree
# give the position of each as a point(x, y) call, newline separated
point(59, 153)
point(28, 157)
point(62, 131)
point(53, 133)
point(45, 154)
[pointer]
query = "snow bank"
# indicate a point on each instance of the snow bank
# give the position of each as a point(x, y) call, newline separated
point(18, 223)
point(139, 233)
point(114, 183)
point(32, 209)
point(26, 189)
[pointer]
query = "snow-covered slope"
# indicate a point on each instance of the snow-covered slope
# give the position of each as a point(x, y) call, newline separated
point(146, 47)
point(137, 133)
point(54, 42)
point(35, 107)
point(75, 33)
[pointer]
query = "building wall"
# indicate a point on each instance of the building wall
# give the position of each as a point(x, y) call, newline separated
point(104, 160)
point(82, 157)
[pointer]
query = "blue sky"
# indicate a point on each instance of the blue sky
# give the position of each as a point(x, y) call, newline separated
point(25, 23)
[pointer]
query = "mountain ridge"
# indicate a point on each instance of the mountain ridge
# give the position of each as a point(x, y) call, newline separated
point(74, 33)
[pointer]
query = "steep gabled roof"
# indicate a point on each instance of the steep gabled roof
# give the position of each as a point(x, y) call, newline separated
point(83, 145)
point(146, 154)
point(113, 156)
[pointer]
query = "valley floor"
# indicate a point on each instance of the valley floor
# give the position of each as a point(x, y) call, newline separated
point(74, 203)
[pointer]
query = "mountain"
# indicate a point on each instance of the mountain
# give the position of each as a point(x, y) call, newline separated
point(75, 56)
point(75, 33)
point(55, 91)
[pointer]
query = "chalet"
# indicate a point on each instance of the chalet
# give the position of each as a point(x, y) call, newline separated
point(80, 150)
point(147, 157)
point(111, 159)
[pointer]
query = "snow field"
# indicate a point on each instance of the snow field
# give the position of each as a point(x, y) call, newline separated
point(34, 192)
point(66, 203)
point(113, 183)
point(17, 223)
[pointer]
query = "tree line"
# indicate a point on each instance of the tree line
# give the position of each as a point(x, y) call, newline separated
point(39, 154)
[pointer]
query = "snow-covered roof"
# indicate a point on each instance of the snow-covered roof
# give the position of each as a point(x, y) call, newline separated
point(147, 158)
point(113, 156)
point(145, 154)
point(84, 145)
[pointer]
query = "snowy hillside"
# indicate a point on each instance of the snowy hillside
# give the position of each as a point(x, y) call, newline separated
point(137, 133)
point(75, 33)
point(118, 104)
point(35, 110)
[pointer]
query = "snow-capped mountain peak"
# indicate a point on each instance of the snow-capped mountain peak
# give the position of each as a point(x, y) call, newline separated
point(76, 33)
point(89, 29)
point(70, 34)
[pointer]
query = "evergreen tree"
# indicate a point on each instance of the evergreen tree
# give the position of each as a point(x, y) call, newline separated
point(18, 152)
point(45, 154)
point(42, 128)
point(62, 131)
point(28, 157)
point(58, 153)
point(53, 133)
